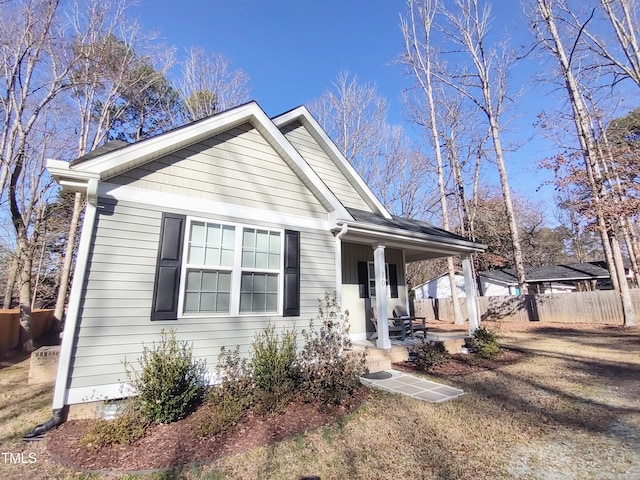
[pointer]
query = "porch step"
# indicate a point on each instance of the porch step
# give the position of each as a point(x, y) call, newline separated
point(379, 360)
point(453, 344)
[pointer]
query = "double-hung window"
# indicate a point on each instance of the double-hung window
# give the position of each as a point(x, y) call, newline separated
point(231, 269)
point(371, 271)
point(260, 269)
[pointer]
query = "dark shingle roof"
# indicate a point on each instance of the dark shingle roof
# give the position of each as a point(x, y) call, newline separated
point(506, 275)
point(552, 273)
point(401, 223)
point(101, 150)
point(570, 271)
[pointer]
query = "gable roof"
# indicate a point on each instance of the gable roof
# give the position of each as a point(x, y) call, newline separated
point(114, 161)
point(301, 114)
point(419, 239)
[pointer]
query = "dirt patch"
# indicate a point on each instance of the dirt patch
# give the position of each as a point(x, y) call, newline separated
point(167, 446)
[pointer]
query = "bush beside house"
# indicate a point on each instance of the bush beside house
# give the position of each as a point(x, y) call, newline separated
point(170, 384)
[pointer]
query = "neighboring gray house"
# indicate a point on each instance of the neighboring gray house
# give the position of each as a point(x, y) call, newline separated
point(218, 227)
point(546, 279)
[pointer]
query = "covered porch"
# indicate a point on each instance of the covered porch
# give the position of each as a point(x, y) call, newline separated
point(372, 254)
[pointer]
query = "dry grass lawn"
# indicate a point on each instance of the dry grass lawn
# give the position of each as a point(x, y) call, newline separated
point(569, 409)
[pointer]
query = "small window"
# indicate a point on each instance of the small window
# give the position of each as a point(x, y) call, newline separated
point(372, 279)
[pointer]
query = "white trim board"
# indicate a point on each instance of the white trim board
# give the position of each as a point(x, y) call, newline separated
point(68, 336)
point(173, 201)
point(303, 115)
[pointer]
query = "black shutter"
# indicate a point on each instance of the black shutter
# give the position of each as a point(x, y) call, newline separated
point(363, 279)
point(393, 280)
point(291, 294)
point(168, 266)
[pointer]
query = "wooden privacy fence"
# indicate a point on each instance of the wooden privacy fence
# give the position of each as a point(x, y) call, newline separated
point(580, 307)
point(41, 321)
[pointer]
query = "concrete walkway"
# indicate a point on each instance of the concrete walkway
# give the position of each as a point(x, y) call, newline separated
point(413, 386)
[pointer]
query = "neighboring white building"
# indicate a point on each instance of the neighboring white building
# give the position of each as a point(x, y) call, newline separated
point(439, 287)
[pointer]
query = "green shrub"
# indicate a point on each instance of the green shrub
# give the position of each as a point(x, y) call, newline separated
point(429, 354)
point(171, 382)
point(227, 401)
point(327, 373)
point(274, 368)
point(126, 428)
point(484, 343)
point(221, 413)
point(235, 378)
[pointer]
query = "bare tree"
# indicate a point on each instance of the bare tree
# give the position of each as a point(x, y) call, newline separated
point(623, 57)
point(416, 30)
point(483, 82)
point(118, 92)
point(34, 73)
point(550, 37)
point(209, 85)
point(353, 114)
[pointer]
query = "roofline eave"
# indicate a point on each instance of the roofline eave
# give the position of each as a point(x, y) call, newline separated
point(415, 239)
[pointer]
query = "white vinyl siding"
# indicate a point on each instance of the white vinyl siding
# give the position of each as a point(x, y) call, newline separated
point(238, 167)
point(324, 166)
point(114, 319)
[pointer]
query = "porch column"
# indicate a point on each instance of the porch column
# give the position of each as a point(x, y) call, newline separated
point(470, 292)
point(381, 297)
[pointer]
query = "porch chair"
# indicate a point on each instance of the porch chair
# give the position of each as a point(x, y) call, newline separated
point(397, 329)
point(416, 324)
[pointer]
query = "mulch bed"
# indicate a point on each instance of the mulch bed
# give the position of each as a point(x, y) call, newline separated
point(461, 364)
point(167, 446)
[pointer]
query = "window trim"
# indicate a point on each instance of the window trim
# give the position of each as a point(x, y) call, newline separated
point(236, 271)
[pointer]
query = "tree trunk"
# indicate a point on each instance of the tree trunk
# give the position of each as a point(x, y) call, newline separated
point(26, 336)
point(508, 203)
point(68, 262)
point(11, 279)
point(419, 58)
point(625, 298)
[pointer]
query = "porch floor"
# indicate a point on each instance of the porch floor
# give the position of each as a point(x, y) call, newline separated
point(453, 340)
point(413, 386)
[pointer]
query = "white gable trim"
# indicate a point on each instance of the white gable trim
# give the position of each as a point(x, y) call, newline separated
point(308, 121)
point(204, 207)
point(113, 163)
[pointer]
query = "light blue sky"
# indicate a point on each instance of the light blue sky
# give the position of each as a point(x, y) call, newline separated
point(293, 50)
